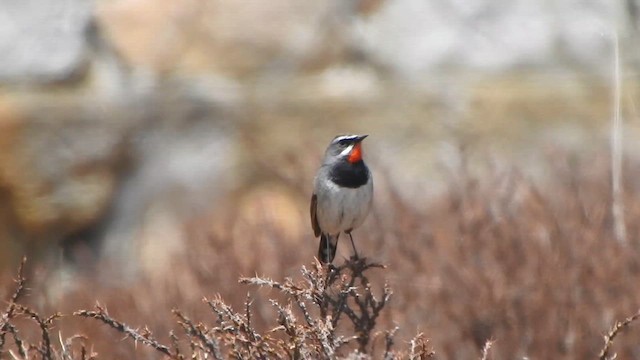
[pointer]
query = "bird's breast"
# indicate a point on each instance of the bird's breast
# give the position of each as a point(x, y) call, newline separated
point(341, 208)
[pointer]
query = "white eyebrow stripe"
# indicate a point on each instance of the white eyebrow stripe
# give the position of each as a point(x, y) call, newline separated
point(347, 150)
point(346, 137)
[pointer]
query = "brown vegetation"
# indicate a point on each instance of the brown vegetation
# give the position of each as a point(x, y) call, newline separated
point(495, 268)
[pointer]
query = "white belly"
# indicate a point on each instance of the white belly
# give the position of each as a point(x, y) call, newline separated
point(340, 209)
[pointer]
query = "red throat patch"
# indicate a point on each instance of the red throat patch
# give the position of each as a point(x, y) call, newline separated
point(356, 154)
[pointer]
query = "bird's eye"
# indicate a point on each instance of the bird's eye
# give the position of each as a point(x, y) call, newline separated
point(344, 142)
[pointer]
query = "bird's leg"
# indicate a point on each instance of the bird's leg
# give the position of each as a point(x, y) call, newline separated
point(355, 252)
point(328, 249)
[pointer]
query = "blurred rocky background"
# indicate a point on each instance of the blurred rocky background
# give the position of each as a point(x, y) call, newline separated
point(122, 120)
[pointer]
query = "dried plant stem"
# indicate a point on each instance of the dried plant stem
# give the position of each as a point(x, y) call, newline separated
point(145, 337)
point(10, 311)
point(617, 205)
point(615, 330)
point(485, 350)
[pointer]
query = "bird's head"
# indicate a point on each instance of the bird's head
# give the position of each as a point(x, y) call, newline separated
point(345, 147)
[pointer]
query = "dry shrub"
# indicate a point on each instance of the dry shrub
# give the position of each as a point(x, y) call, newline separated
point(306, 324)
point(497, 267)
point(534, 268)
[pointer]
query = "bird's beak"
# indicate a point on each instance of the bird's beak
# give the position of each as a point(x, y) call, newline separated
point(360, 138)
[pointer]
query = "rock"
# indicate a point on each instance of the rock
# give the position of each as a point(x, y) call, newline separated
point(42, 41)
point(80, 170)
point(59, 167)
point(184, 159)
point(223, 37)
point(414, 36)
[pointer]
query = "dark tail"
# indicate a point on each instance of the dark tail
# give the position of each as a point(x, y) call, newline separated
point(328, 247)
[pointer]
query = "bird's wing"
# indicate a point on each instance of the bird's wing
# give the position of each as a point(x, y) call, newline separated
point(314, 218)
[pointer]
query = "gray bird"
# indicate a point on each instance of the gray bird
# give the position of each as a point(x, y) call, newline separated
point(342, 195)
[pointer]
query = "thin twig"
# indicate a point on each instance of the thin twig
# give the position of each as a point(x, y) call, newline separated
point(485, 350)
point(193, 330)
point(615, 330)
point(145, 338)
point(617, 204)
point(10, 311)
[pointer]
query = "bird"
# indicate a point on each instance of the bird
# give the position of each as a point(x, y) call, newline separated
point(342, 194)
